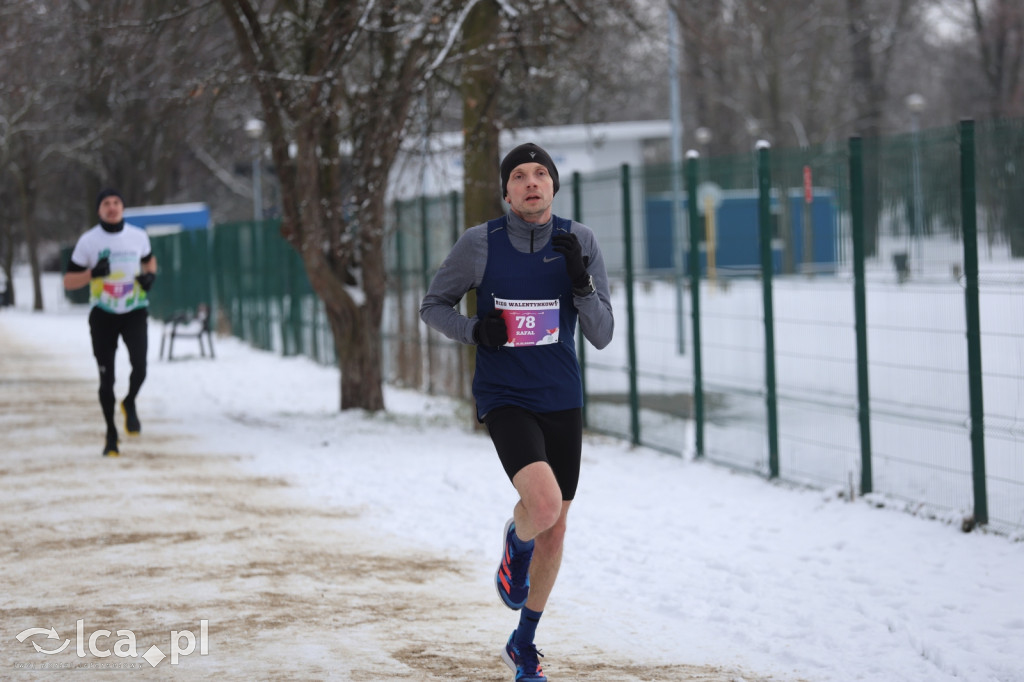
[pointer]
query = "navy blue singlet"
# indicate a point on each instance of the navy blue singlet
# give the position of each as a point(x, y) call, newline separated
point(541, 378)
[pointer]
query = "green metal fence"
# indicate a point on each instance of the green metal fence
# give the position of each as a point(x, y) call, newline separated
point(255, 281)
point(858, 309)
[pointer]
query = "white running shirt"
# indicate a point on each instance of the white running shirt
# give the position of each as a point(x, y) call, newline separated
point(118, 292)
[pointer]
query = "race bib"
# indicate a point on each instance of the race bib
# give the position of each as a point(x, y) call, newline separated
point(529, 323)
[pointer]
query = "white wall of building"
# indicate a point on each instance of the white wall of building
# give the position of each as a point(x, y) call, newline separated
point(436, 168)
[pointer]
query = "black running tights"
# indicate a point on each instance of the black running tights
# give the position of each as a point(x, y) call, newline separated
point(105, 328)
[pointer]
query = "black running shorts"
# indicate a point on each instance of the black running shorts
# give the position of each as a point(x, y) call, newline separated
point(523, 437)
point(105, 328)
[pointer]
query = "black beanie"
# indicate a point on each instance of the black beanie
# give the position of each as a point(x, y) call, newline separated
point(526, 153)
point(107, 193)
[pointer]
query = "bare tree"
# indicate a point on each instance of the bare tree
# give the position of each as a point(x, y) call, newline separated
point(337, 83)
point(874, 39)
point(132, 94)
point(480, 87)
point(999, 32)
point(564, 61)
point(548, 63)
point(793, 73)
point(27, 106)
point(1000, 36)
point(151, 101)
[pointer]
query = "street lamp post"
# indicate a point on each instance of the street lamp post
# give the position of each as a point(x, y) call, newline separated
point(254, 129)
point(915, 104)
point(703, 135)
point(753, 127)
point(676, 112)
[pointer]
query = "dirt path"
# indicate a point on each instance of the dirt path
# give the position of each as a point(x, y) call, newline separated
point(172, 536)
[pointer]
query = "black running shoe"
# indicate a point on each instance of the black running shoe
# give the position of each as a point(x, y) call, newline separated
point(110, 449)
point(131, 418)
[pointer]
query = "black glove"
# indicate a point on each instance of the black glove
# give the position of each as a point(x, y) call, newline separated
point(102, 268)
point(491, 331)
point(575, 264)
point(146, 280)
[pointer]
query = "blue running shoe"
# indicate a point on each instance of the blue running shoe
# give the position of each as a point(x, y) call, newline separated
point(513, 576)
point(523, 661)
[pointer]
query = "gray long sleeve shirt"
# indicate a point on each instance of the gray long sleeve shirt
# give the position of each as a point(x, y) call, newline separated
point(463, 270)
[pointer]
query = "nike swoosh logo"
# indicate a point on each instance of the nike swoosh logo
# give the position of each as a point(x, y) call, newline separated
point(548, 259)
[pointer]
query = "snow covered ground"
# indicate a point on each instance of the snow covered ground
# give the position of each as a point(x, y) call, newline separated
point(673, 569)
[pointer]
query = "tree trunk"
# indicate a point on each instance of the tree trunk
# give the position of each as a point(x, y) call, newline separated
point(1001, 47)
point(355, 329)
point(26, 205)
point(1013, 198)
point(359, 360)
point(696, 25)
point(7, 249)
point(362, 367)
point(480, 88)
point(1016, 229)
point(481, 85)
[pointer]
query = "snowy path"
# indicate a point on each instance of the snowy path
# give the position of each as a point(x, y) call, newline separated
point(176, 532)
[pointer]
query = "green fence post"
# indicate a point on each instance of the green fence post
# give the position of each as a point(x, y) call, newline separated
point(468, 353)
point(282, 272)
point(225, 269)
point(581, 343)
point(424, 242)
point(425, 274)
point(764, 178)
point(454, 201)
point(319, 354)
point(211, 278)
point(251, 289)
point(399, 272)
point(225, 251)
point(176, 283)
point(694, 267)
point(264, 287)
point(183, 285)
point(250, 309)
point(860, 311)
point(627, 235)
point(299, 289)
point(968, 208)
point(240, 324)
point(259, 265)
point(271, 282)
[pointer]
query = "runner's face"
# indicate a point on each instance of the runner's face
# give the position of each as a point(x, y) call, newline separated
point(529, 192)
point(111, 210)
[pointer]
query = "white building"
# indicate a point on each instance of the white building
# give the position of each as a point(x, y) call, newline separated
point(437, 168)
